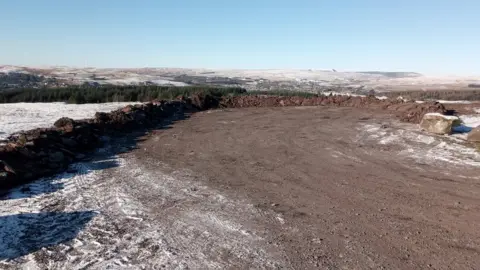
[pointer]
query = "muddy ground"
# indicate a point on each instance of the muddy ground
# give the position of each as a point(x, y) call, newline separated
point(258, 188)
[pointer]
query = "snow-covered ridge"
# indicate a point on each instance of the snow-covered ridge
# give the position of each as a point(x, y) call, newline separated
point(8, 69)
point(246, 77)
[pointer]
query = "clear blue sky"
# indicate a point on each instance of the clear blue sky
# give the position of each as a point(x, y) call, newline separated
point(437, 37)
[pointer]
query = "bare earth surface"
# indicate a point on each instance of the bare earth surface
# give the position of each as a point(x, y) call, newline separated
point(292, 188)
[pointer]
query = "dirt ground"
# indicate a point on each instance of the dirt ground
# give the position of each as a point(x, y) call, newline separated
point(332, 189)
point(255, 188)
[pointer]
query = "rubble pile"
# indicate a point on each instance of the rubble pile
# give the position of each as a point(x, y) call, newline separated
point(28, 155)
point(407, 111)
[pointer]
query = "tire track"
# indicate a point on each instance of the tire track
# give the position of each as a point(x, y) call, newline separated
point(144, 219)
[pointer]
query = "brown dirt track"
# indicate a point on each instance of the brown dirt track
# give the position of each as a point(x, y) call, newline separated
point(335, 200)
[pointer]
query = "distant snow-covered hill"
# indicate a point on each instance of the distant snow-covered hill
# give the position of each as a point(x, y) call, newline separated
point(251, 79)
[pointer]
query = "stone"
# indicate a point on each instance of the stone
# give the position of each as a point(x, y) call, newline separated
point(127, 109)
point(66, 124)
point(438, 123)
point(474, 135)
point(6, 167)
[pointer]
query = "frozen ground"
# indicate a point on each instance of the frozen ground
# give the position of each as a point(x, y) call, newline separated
point(422, 147)
point(254, 189)
point(24, 116)
point(116, 212)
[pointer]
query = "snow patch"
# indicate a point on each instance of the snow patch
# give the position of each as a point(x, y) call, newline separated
point(424, 148)
point(167, 82)
point(447, 117)
point(454, 101)
point(15, 117)
point(333, 93)
point(8, 69)
point(472, 121)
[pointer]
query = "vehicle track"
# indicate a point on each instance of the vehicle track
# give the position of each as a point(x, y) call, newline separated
point(144, 219)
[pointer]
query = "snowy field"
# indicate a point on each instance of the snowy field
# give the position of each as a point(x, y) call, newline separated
point(24, 116)
point(328, 76)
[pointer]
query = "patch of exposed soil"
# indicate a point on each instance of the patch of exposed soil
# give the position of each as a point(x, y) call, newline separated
point(335, 190)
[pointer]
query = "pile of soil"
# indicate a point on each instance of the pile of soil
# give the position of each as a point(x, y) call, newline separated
point(410, 111)
point(32, 154)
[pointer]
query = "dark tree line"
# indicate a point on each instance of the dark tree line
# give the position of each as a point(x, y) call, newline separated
point(471, 95)
point(85, 94)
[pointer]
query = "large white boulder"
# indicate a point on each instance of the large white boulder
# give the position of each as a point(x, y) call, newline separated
point(438, 123)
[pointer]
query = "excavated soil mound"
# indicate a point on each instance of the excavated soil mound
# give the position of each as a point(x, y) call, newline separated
point(28, 155)
point(407, 111)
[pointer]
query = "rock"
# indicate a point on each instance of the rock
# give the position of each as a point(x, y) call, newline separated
point(17, 139)
point(127, 109)
point(438, 123)
point(474, 135)
point(66, 124)
point(5, 167)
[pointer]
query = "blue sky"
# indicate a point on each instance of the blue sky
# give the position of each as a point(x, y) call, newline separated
point(436, 37)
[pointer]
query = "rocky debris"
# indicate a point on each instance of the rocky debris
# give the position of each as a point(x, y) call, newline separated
point(127, 109)
point(413, 112)
point(46, 151)
point(204, 102)
point(474, 135)
point(439, 124)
